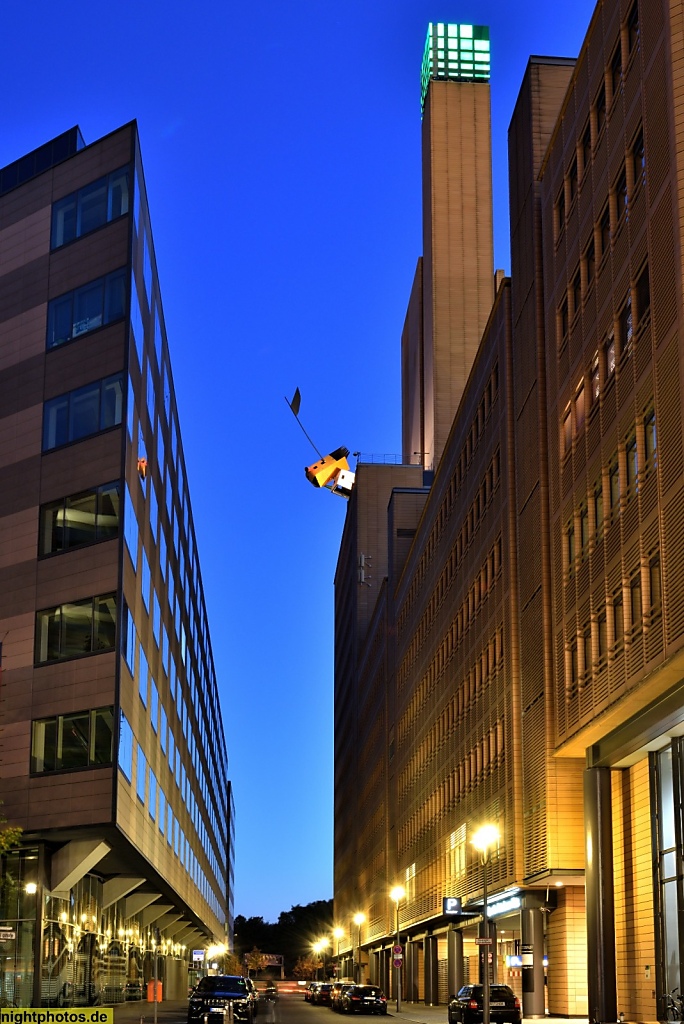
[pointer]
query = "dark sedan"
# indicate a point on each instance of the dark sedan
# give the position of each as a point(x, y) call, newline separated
point(466, 1007)
point(217, 993)
point(363, 999)
point(321, 995)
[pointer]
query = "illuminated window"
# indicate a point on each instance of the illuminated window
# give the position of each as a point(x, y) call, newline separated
point(83, 739)
point(610, 355)
point(595, 380)
point(80, 519)
point(76, 628)
point(625, 328)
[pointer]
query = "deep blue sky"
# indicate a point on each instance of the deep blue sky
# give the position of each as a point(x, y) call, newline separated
point(281, 145)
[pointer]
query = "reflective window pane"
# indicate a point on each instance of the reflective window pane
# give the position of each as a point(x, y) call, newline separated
point(79, 514)
point(55, 422)
point(84, 411)
point(102, 736)
point(88, 302)
point(74, 741)
point(77, 633)
point(112, 402)
point(105, 622)
point(63, 221)
point(92, 206)
point(60, 320)
point(118, 194)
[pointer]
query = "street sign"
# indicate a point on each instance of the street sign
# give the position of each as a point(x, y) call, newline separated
point(487, 941)
point(7, 934)
point(398, 960)
point(397, 950)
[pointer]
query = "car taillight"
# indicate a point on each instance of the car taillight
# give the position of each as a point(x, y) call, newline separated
point(356, 999)
point(472, 1004)
point(517, 1003)
point(383, 999)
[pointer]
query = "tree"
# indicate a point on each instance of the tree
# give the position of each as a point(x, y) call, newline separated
point(256, 961)
point(305, 967)
point(232, 964)
point(9, 835)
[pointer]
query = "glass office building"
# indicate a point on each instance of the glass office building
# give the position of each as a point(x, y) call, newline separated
point(113, 757)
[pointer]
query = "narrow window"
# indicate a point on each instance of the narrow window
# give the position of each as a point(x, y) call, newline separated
point(633, 29)
point(563, 321)
point(604, 231)
point(602, 635)
point(584, 528)
point(579, 408)
point(585, 148)
point(621, 199)
point(567, 430)
point(616, 71)
point(650, 438)
point(590, 263)
point(598, 508)
point(655, 584)
point(632, 464)
point(618, 619)
point(586, 652)
point(614, 487)
point(610, 355)
point(576, 293)
point(570, 541)
point(639, 159)
point(643, 295)
point(625, 328)
point(595, 380)
point(635, 602)
point(560, 212)
point(572, 180)
point(600, 109)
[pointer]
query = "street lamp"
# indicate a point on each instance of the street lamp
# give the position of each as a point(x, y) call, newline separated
point(484, 839)
point(338, 933)
point(317, 948)
point(358, 921)
point(397, 894)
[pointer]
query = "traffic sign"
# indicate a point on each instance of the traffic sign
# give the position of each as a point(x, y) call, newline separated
point(7, 934)
point(397, 950)
point(487, 941)
point(398, 961)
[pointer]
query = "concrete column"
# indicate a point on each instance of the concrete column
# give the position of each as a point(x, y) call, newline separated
point(532, 941)
point(373, 967)
point(411, 974)
point(384, 971)
point(430, 970)
point(600, 895)
point(455, 960)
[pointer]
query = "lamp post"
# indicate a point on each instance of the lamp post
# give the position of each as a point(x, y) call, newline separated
point(317, 948)
point(484, 839)
point(338, 933)
point(356, 962)
point(397, 894)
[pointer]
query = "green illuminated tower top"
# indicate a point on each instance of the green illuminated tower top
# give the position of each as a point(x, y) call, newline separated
point(459, 53)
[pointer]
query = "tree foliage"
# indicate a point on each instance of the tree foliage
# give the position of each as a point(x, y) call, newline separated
point(291, 936)
point(9, 835)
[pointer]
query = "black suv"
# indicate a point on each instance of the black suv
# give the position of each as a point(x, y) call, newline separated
point(215, 993)
point(467, 1006)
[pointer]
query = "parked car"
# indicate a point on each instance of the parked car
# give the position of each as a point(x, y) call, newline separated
point(309, 990)
point(321, 994)
point(363, 999)
point(466, 1007)
point(218, 991)
point(338, 990)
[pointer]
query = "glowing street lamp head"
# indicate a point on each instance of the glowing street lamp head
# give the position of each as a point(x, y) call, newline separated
point(338, 933)
point(31, 888)
point(359, 919)
point(397, 894)
point(485, 838)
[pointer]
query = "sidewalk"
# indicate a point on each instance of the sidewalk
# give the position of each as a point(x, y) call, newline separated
point(168, 1012)
point(418, 1013)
